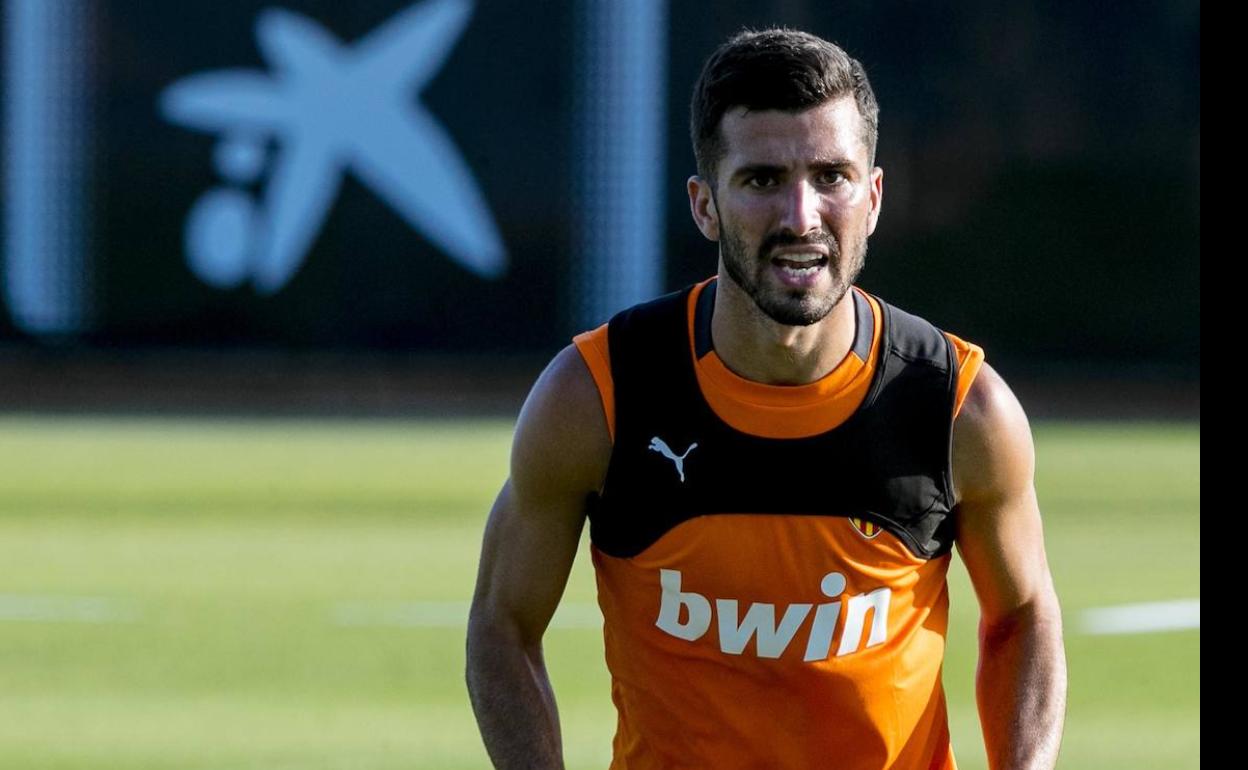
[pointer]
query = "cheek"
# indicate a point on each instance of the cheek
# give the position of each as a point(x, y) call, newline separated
point(851, 196)
point(735, 244)
point(851, 215)
point(748, 223)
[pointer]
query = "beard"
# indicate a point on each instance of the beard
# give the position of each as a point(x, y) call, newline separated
point(783, 304)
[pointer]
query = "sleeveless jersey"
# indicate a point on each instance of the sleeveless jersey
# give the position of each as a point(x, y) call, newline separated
point(771, 560)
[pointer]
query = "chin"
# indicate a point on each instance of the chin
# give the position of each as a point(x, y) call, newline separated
point(795, 313)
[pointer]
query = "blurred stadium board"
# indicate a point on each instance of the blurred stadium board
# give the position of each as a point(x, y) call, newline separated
point(280, 593)
point(146, 149)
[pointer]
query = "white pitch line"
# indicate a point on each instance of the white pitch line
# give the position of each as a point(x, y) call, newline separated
point(1125, 619)
point(1149, 617)
point(448, 614)
point(65, 609)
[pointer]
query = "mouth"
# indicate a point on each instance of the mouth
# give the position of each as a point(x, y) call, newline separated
point(799, 269)
point(799, 255)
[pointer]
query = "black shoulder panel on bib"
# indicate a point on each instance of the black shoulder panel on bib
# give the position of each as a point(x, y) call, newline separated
point(674, 459)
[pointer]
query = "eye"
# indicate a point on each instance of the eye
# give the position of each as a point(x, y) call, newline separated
point(830, 177)
point(761, 181)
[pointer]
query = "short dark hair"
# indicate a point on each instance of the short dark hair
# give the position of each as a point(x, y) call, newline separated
point(774, 69)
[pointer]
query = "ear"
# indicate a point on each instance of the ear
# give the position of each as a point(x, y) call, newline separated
point(877, 198)
point(702, 206)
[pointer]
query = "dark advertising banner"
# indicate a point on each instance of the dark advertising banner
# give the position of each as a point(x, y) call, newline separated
point(377, 174)
point(332, 173)
point(455, 176)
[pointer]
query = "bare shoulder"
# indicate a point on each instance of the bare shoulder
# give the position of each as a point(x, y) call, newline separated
point(561, 443)
point(558, 457)
point(998, 527)
point(993, 454)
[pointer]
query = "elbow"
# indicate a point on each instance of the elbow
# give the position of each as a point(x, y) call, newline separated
point(497, 650)
point(492, 631)
point(1040, 616)
point(486, 628)
point(489, 636)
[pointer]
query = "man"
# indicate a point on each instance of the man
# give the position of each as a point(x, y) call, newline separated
point(775, 467)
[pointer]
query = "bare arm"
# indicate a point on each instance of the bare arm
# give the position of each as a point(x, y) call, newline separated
point(1020, 684)
point(559, 456)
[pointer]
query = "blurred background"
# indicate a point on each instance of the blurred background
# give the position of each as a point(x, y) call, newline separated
point(276, 279)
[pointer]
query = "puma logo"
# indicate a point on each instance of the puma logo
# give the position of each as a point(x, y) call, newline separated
point(659, 445)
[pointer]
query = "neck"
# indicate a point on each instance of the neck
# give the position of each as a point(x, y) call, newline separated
point(755, 347)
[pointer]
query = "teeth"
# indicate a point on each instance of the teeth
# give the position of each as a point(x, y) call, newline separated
point(801, 258)
point(800, 271)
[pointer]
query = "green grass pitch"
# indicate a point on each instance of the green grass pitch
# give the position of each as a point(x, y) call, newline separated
point(277, 594)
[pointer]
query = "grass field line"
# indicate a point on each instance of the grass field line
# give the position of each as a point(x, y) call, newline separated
point(66, 609)
point(448, 614)
point(1139, 618)
point(1146, 617)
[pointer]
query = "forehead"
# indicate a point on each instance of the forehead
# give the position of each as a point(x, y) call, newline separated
point(829, 131)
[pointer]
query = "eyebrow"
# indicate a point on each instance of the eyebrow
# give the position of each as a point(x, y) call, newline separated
point(754, 169)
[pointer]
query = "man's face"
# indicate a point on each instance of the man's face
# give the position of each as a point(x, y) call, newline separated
point(794, 202)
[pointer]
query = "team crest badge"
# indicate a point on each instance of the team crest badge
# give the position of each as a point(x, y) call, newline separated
point(867, 529)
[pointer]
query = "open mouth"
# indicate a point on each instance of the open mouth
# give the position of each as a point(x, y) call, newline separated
point(800, 265)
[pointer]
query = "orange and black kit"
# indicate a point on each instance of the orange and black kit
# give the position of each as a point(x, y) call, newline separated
point(771, 560)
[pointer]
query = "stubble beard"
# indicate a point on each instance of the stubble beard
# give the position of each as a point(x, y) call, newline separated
point(789, 306)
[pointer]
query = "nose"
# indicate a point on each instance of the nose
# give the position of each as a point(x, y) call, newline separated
point(801, 209)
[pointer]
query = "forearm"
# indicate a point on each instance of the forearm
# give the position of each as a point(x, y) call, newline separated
point(512, 699)
point(1021, 688)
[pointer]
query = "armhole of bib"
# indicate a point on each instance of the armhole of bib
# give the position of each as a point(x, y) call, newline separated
point(597, 354)
point(970, 358)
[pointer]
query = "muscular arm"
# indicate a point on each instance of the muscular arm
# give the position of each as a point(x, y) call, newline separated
point(1020, 684)
point(559, 456)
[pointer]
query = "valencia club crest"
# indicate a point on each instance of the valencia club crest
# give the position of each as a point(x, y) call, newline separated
point(867, 529)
